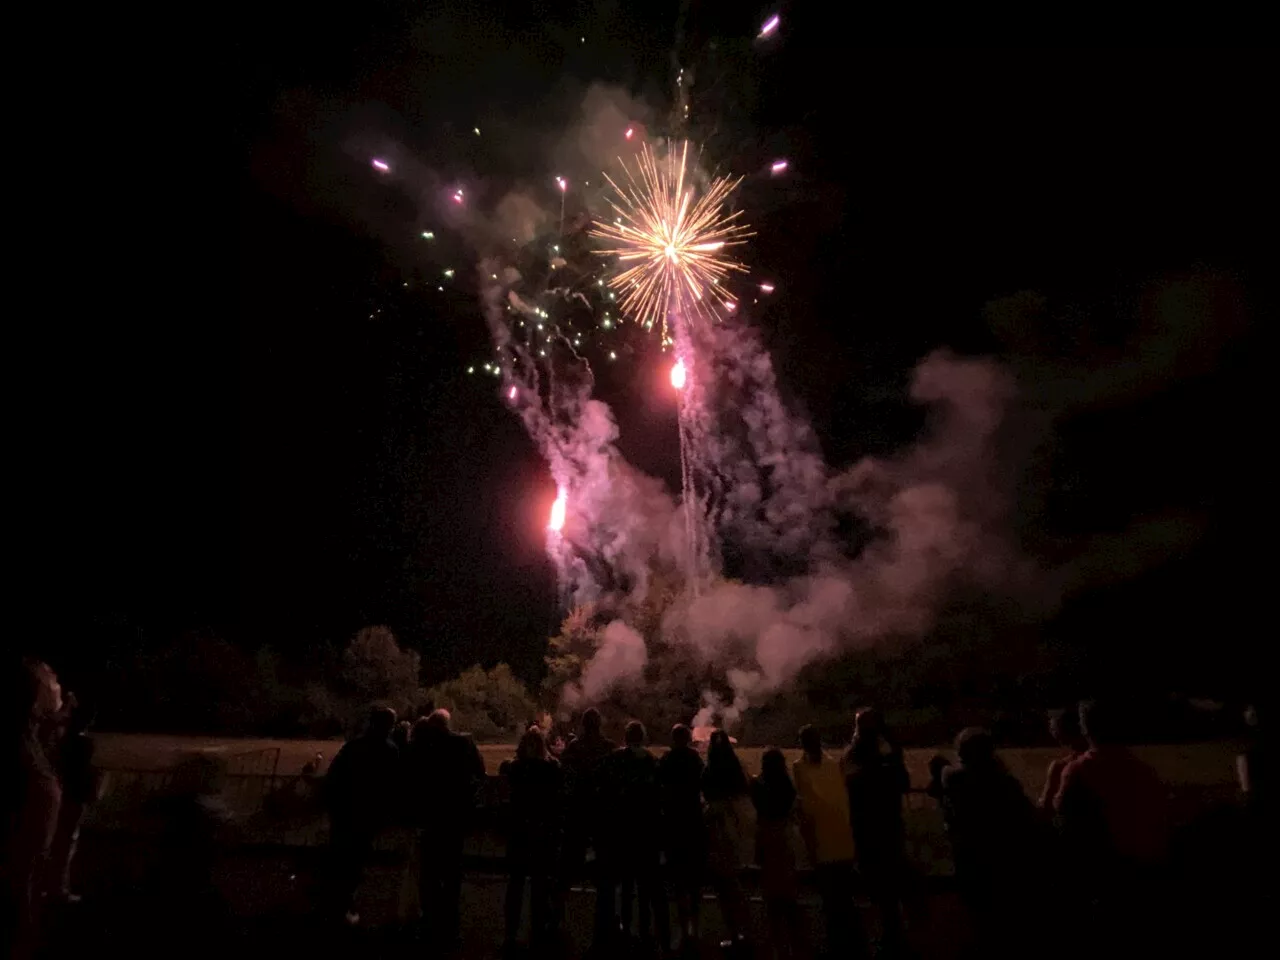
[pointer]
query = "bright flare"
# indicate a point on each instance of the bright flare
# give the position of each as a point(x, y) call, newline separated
point(673, 249)
point(556, 523)
point(677, 375)
point(564, 184)
point(766, 288)
point(779, 166)
point(381, 165)
point(630, 131)
point(511, 394)
point(770, 25)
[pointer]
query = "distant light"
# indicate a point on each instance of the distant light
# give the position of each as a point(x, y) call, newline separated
point(770, 25)
point(471, 369)
point(677, 375)
point(477, 130)
point(607, 323)
point(767, 287)
point(613, 355)
point(441, 289)
point(630, 131)
point(381, 165)
point(448, 273)
point(779, 166)
point(428, 235)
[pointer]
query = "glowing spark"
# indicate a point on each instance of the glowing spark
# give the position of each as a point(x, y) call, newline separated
point(457, 196)
point(564, 184)
point(471, 369)
point(767, 287)
point(630, 131)
point(556, 523)
point(770, 25)
point(511, 394)
point(779, 166)
point(381, 166)
point(670, 246)
point(448, 273)
point(428, 235)
point(477, 130)
point(677, 375)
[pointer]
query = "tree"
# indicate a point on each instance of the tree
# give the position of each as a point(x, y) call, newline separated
point(489, 704)
point(375, 670)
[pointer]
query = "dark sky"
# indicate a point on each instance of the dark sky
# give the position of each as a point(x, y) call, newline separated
point(231, 441)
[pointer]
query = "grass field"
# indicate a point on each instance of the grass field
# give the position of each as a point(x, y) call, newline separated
point(1190, 765)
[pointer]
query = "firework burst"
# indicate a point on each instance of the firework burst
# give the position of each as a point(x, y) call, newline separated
point(674, 251)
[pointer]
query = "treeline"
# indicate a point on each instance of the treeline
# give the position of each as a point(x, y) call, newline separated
point(204, 684)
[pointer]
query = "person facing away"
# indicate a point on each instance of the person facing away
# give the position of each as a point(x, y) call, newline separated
point(683, 829)
point(581, 760)
point(632, 801)
point(358, 791)
point(79, 790)
point(774, 797)
point(1064, 727)
point(445, 769)
point(33, 796)
point(725, 788)
point(536, 807)
point(992, 826)
point(824, 824)
point(1113, 806)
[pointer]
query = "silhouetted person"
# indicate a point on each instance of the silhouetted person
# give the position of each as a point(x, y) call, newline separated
point(581, 760)
point(445, 770)
point(359, 791)
point(32, 795)
point(684, 837)
point(1254, 767)
point(537, 793)
point(725, 788)
point(1115, 823)
point(79, 789)
point(876, 778)
point(774, 797)
point(632, 802)
point(993, 829)
point(824, 824)
point(1064, 727)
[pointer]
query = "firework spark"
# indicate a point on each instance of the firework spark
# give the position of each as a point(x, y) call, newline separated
point(381, 165)
point(770, 25)
point(677, 375)
point(673, 249)
point(556, 522)
point(779, 166)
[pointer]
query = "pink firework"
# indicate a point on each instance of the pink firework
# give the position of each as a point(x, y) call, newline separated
point(770, 25)
point(678, 375)
point(381, 165)
point(630, 131)
point(779, 166)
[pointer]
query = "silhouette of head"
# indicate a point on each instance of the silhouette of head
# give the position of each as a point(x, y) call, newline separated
point(1096, 722)
point(382, 721)
point(811, 741)
point(681, 736)
point(591, 722)
point(868, 723)
point(439, 720)
point(635, 734)
point(773, 765)
point(976, 747)
point(1064, 726)
point(533, 745)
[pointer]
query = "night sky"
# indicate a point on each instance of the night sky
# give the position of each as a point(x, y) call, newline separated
point(230, 440)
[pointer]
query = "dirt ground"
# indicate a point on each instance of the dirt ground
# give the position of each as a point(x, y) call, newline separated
point(1182, 765)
